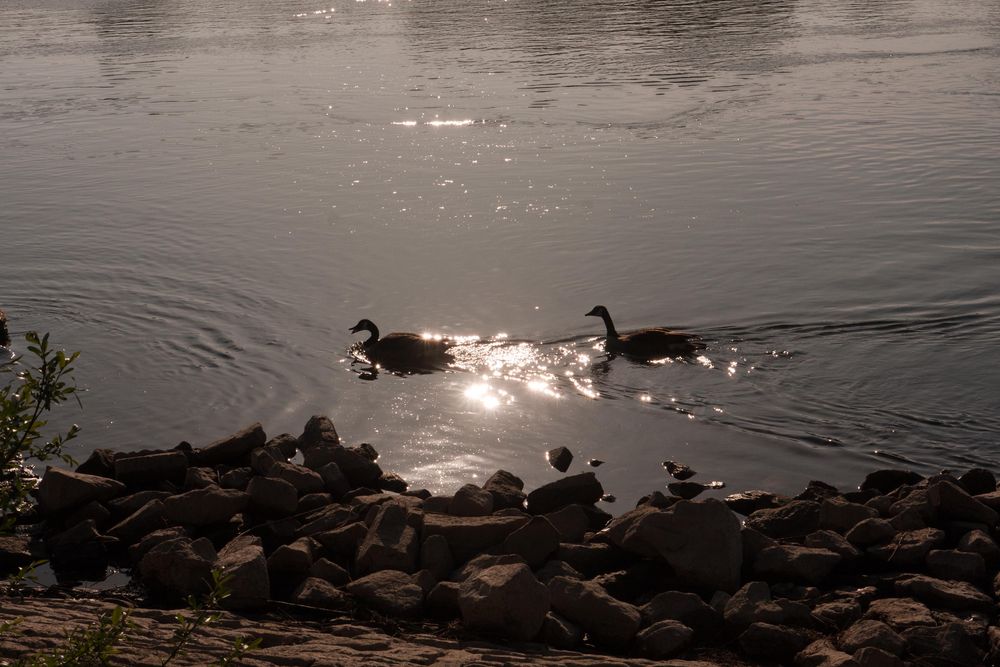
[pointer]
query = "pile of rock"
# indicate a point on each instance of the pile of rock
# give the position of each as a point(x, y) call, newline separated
point(898, 571)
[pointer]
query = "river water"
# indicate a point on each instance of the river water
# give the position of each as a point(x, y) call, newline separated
point(203, 197)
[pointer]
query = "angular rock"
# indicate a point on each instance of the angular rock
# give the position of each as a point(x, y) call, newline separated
point(202, 507)
point(313, 501)
point(571, 522)
point(470, 500)
point(886, 481)
point(606, 619)
point(795, 519)
point(838, 613)
point(821, 653)
point(535, 541)
point(272, 497)
point(234, 449)
point(556, 568)
point(870, 656)
point(302, 478)
point(390, 592)
point(909, 548)
point(483, 562)
point(977, 481)
point(318, 430)
point(101, 463)
point(663, 639)
point(329, 571)
point(559, 458)
point(292, 560)
point(839, 515)
point(343, 541)
point(772, 642)
point(978, 542)
point(507, 490)
point(560, 633)
point(357, 468)
point(790, 562)
point(318, 592)
point(178, 567)
point(752, 603)
point(583, 489)
point(391, 542)
point(748, 502)
point(686, 608)
point(871, 531)
point(831, 541)
point(93, 510)
point(145, 520)
point(236, 478)
point(435, 556)
point(390, 481)
point(949, 644)
point(243, 560)
point(142, 547)
point(334, 480)
point(900, 613)
point(470, 536)
point(952, 564)
point(590, 559)
point(686, 490)
point(951, 501)
point(442, 600)
point(126, 505)
point(504, 599)
point(956, 595)
point(678, 470)
point(145, 470)
point(62, 489)
point(872, 633)
point(316, 457)
point(199, 478)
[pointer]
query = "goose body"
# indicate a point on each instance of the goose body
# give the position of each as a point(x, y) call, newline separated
point(649, 343)
point(402, 351)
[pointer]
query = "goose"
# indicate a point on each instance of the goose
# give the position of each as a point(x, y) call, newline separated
point(402, 351)
point(651, 343)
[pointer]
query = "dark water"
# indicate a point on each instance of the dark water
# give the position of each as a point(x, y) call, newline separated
point(204, 197)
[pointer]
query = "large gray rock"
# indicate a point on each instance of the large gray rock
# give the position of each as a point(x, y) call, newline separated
point(470, 500)
point(470, 536)
point(956, 595)
point(699, 539)
point(872, 633)
point(795, 519)
point(572, 522)
point(145, 520)
point(953, 564)
point(900, 613)
point(504, 599)
point(302, 478)
point(272, 497)
point(663, 639)
point(233, 449)
point(178, 567)
point(752, 603)
point(951, 501)
point(791, 562)
point(390, 592)
point(318, 430)
point(909, 548)
point(206, 506)
point(62, 489)
point(607, 620)
point(535, 541)
point(244, 562)
point(840, 515)
point(583, 489)
point(391, 542)
point(148, 469)
point(506, 489)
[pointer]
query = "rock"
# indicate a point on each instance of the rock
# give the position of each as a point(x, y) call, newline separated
point(143, 521)
point(748, 502)
point(909, 548)
point(101, 463)
point(16, 551)
point(126, 505)
point(838, 613)
point(686, 490)
point(318, 592)
point(293, 560)
point(178, 567)
point(871, 531)
point(504, 599)
point(871, 633)
point(700, 540)
point(595, 463)
point(663, 639)
point(946, 645)
point(560, 633)
point(390, 592)
point(199, 478)
point(792, 562)
point(343, 541)
point(470, 500)
point(81, 542)
point(831, 541)
point(886, 481)
point(469, 536)
point(978, 542)
point(357, 468)
point(821, 653)
point(236, 478)
point(583, 489)
point(318, 430)
point(951, 501)
point(93, 510)
point(334, 480)
point(559, 458)
point(678, 470)
point(316, 457)
point(442, 600)
point(956, 595)
point(772, 642)
point(870, 656)
point(839, 515)
point(390, 481)
point(483, 562)
point(795, 519)
point(606, 619)
point(146, 470)
point(752, 603)
point(202, 507)
point(142, 547)
point(590, 559)
point(272, 497)
point(61, 490)
point(556, 568)
point(571, 522)
point(506, 489)
point(881, 504)
point(818, 491)
point(391, 542)
point(234, 449)
point(900, 613)
point(286, 443)
point(910, 518)
point(535, 541)
point(243, 560)
point(977, 481)
point(302, 478)
point(687, 608)
point(915, 499)
point(953, 564)
point(753, 544)
point(658, 500)
point(313, 501)
point(435, 555)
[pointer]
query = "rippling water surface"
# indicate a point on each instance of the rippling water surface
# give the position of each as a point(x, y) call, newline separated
point(204, 197)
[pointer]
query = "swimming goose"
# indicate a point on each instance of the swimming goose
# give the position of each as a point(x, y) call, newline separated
point(402, 351)
point(651, 343)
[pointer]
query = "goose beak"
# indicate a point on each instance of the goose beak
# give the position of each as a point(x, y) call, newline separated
point(593, 311)
point(356, 328)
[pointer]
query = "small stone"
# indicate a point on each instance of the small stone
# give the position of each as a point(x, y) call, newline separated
point(748, 502)
point(559, 458)
point(595, 462)
point(678, 470)
point(608, 498)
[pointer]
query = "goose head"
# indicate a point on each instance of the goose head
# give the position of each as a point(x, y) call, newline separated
point(367, 325)
point(598, 311)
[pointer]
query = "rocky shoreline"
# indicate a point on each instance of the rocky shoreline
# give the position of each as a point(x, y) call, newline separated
point(902, 571)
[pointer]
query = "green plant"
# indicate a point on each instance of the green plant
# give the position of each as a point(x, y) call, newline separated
point(31, 393)
point(15, 583)
point(86, 647)
point(240, 648)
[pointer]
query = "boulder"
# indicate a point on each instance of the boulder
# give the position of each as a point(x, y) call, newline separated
point(286, 443)
point(571, 522)
point(178, 567)
point(313, 501)
point(272, 497)
point(535, 541)
point(244, 562)
point(900, 613)
point(748, 502)
point(61, 490)
point(506, 489)
point(318, 592)
point(839, 515)
point(148, 469)
point(790, 562)
point(316, 457)
point(435, 556)
point(663, 639)
point(795, 519)
point(504, 599)
point(143, 521)
point(837, 613)
point(236, 478)
point(606, 619)
point(953, 564)
point(556, 568)
point(752, 603)
point(93, 510)
point(390, 481)
point(334, 480)
point(101, 463)
point(391, 542)
point(886, 481)
point(234, 449)
point(329, 571)
point(206, 506)
point(318, 430)
point(483, 562)
point(772, 642)
point(302, 478)
point(951, 501)
point(583, 489)
point(686, 608)
point(956, 595)
point(871, 531)
point(686, 490)
point(470, 536)
point(870, 656)
point(470, 500)
point(292, 560)
point(949, 644)
point(559, 458)
point(199, 478)
point(442, 600)
point(909, 548)
point(977, 481)
point(872, 633)
point(359, 470)
point(126, 505)
point(978, 542)
point(591, 559)
point(142, 547)
point(821, 653)
point(343, 541)
point(390, 592)
point(560, 633)
point(831, 541)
